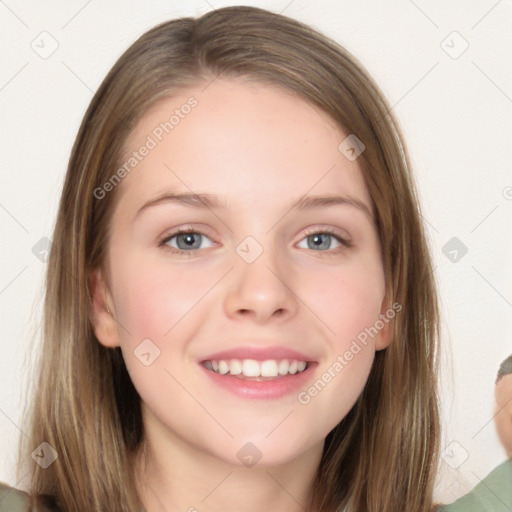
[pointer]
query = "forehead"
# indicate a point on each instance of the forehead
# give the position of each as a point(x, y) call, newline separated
point(241, 140)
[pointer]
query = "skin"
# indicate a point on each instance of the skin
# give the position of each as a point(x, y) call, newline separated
point(259, 148)
point(503, 412)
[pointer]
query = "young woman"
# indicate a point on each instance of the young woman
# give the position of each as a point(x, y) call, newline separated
point(240, 309)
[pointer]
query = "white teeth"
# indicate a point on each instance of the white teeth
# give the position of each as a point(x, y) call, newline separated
point(268, 369)
point(223, 367)
point(253, 368)
point(283, 367)
point(235, 368)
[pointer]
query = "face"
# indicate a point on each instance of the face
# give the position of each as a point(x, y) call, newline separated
point(254, 275)
point(503, 412)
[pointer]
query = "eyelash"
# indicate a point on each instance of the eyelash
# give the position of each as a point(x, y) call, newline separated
point(327, 231)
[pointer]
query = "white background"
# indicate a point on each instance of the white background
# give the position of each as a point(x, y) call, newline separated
point(456, 117)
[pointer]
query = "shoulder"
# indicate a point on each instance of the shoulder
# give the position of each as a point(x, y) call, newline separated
point(12, 500)
point(492, 494)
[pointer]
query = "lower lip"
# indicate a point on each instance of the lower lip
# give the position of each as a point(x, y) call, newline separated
point(263, 389)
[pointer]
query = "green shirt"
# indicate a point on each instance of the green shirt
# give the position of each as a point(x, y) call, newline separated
point(12, 500)
point(492, 494)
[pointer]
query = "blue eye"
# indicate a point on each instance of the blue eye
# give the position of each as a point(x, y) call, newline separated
point(322, 240)
point(188, 241)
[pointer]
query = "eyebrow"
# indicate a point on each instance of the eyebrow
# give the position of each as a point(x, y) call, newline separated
point(212, 202)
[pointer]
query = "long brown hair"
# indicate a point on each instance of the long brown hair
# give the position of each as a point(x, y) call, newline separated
point(383, 455)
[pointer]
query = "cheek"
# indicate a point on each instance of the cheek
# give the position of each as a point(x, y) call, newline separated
point(155, 303)
point(152, 299)
point(503, 421)
point(503, 428)
point(348, 300)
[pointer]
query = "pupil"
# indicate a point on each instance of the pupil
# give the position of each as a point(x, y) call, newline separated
point(317, 241)
point(188, 240)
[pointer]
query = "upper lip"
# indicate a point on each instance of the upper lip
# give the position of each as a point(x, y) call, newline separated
point(258, 354)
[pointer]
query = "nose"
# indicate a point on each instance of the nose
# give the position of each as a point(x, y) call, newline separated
point(261, 290)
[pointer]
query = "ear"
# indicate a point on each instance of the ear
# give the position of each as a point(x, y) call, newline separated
point(386, 321)
point(102, 310)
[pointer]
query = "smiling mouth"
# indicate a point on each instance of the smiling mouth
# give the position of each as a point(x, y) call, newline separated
point(251, 369)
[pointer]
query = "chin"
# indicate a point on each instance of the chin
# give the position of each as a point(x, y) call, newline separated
point(265, 453)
